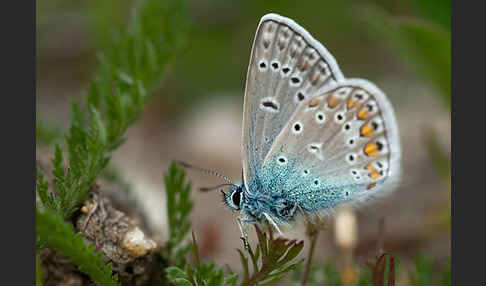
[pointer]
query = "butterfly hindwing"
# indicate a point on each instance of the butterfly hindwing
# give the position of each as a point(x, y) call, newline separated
point(341, 145)
point(287, 67)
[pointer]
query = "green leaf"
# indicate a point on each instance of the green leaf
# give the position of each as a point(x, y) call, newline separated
point(200, 273)
point(254, 258)
point(60, 235)
point(430, 49)
point(446, 276)
point(231, 279)
point(276, 253)
point(422, 275)
point(438, 11)
point(292, 252)
point(244, 264)
point(332, 275)
point(38, 271)
point(177, 276)
point(365, 277)
point(179, 207)
point(424, 45)
point(116, 96)
point(439, 158)
point(46, 134)
point(181, 282)
point(43, 191)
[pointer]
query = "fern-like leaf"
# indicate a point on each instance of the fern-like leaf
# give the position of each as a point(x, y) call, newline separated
point(201, 274)
point(51, 229)
point(272, 261)
point(179, 207)
point(38, 271)
point(133, 64)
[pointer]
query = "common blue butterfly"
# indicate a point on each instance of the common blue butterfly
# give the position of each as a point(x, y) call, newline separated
point(312, 139)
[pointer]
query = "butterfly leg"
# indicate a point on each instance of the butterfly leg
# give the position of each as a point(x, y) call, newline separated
point(242, 225)
point(270, 220)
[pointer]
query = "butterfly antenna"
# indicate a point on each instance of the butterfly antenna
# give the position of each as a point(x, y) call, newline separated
point(209, 172)
point(213, 188)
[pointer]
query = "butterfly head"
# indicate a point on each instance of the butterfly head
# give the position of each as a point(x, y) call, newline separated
point(234, 197)
point(259, 208)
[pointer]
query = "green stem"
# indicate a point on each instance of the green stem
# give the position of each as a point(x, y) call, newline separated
point(305, 276)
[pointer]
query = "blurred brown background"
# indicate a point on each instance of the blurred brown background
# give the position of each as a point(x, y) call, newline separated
point(196, 114)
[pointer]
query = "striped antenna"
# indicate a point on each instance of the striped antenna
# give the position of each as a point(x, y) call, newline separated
point(207, 171)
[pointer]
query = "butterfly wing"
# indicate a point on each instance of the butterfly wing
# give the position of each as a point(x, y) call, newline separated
point(287, 66)
point(341, 145)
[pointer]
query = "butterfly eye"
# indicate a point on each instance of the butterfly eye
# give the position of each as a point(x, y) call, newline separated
point(236, 198)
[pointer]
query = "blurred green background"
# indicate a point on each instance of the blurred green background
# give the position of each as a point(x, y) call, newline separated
point(195, 115)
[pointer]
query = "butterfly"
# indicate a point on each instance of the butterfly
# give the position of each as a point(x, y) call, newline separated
point(312, 139)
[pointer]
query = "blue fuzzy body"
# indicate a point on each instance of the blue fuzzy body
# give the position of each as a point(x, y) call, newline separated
point(281, 191)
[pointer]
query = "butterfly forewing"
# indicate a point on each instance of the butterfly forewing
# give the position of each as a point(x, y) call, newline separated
point(287, 68)
point(340, 145)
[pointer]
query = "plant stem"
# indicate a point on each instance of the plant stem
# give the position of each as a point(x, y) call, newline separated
point(312, 233)
point(380, 246)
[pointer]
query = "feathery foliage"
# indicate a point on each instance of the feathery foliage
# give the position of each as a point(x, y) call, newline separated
point(179, 205)
point(38, 271)
point(45, 133)
point(42, 187)
point(270, 262)
point(200, 273)
point(275, 256)
point(52, 230)
point(129, 70)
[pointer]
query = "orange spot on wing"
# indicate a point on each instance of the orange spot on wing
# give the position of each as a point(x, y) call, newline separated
point(371, 149)
point(363, 114)
point(303, 64)
point(351, 103)
point(333, 101)
point(314, 77)
point(314, 102)
point(374, 175)
point(370, 167)
point(372, 185)
point(366, 130)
